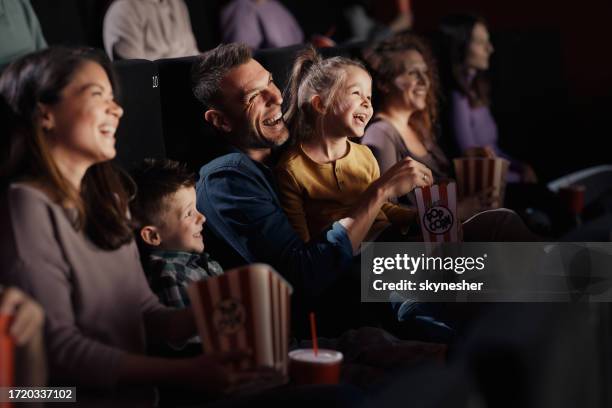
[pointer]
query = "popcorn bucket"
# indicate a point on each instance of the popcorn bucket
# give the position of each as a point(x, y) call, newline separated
point(437, 207)
point(246, 308)
point(475, 174)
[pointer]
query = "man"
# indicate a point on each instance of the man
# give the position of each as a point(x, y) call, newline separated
point(237, 192)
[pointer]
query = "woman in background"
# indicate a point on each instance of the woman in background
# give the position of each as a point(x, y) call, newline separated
point(405, 78)
point(464, 60)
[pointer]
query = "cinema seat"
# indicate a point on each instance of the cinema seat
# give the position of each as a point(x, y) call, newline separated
point(348, 50)
point(188, 137)
point(597, 181)
point(279, 62)
point(60, 21)
point(140, 132)
point(204, 16)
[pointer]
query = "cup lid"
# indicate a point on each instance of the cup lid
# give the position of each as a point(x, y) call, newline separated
point(324, 356)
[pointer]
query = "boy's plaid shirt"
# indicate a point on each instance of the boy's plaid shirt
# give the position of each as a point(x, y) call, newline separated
point(170, 272)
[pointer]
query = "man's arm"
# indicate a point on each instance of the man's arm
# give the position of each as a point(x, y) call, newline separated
point(244, 212)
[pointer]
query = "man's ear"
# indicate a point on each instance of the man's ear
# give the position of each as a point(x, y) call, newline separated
point(47, 119)
point(218, 120)
point(150, 235)
point(317, 104)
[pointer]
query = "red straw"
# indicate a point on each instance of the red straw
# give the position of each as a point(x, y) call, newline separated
point(313, 332)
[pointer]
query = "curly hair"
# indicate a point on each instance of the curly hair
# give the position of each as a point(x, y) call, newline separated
point(385, 61)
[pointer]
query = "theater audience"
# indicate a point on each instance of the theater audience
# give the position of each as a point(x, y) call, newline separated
point(323, 175)
point(465, 50)
point(20, 31)
point(404, 125)
point(26, 330)
point(67, 239)
point(374, 20)
point(259, 24)
point(148, 29)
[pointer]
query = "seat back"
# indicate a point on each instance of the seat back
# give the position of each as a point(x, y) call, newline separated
point(279, 62)
point(60, 21)
point(204, 17)
point(140, 132)
point(188, 137)
point(596, 180)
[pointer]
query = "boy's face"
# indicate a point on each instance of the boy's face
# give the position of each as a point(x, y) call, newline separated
point(182, 228)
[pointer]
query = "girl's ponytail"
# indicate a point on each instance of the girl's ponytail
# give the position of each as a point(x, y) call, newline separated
point(303, 65)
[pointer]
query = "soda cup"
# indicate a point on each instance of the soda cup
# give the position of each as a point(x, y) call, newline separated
point(307, 368)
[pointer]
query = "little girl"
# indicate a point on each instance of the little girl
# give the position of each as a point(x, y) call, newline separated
point(323, 174)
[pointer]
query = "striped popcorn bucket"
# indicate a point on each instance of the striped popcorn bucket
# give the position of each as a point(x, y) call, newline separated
point(246, 308)
point(437, 207)
point(475, 174)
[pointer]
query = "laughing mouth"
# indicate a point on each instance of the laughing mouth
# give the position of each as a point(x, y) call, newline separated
point(273, 121)
point(361, 117)
point(108, 130)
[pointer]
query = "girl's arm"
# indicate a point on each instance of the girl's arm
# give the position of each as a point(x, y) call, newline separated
point(399, 216)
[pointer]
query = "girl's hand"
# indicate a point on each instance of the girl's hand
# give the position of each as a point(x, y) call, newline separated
point(405, 176)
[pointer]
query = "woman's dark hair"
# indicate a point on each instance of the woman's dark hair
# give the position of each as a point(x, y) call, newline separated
point(453, 39)
point(385, 61)
point(40, 78)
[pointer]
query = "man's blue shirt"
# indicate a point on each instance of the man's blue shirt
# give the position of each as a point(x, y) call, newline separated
point(238, 196)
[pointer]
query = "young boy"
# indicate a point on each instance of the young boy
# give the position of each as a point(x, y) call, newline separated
point(169, 229)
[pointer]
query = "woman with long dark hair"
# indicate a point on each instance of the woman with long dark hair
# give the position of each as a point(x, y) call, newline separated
point(66, 238)
point(465, 49)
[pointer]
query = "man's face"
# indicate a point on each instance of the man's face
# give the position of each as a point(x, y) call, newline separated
point(251, 103)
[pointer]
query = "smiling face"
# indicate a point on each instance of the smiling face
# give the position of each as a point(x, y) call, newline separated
point(252, 106)
point(352, 109)
point(82, 125)
point(181, 228)
point(479, 49)
point(413, 84)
